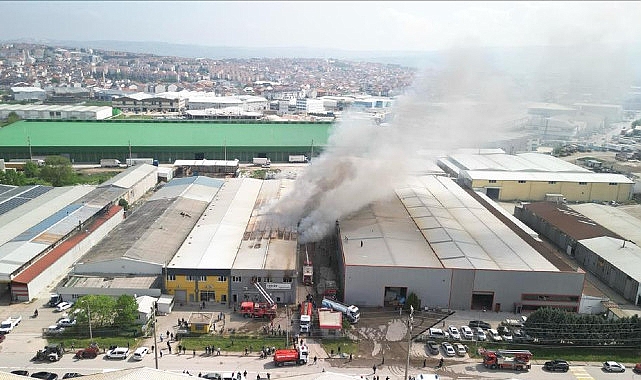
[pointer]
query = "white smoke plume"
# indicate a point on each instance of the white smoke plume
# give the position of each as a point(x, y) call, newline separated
point(363, 162)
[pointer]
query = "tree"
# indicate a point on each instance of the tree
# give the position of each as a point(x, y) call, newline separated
point(12, 177)
point(101, 308)
point(12, 117)
point(126, 311)
point(57, 171)
point(122, 202)
point(31, 169)
point(413, 300)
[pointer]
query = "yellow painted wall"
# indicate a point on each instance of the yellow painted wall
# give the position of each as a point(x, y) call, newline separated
point(211, 285)
point(572, 191)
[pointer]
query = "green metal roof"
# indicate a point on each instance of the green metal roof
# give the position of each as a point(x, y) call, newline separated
point(162, 134)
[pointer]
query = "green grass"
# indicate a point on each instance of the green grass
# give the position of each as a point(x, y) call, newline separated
point(79, 343)
point(92, 179)
point(347, 346)
point(233, 343)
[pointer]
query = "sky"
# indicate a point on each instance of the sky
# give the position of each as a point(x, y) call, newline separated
point(359, 26)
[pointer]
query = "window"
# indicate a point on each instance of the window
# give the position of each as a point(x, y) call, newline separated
point(551, 182)
point(236, 279)
point(521, 181)
point(612, 183)
point(583, 183)
point(171, 277)
point(222, 278)
point(75, 296)
point(287, 279)
point(208, 296)
point(190, 278)
point(268, 279)
point(202, 278)
point(492, 181)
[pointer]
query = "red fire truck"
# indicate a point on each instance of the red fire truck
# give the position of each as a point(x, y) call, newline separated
point(518, 360)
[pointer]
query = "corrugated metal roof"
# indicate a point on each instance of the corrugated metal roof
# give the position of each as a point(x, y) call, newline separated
point(626, 258)
point(128, 178)
point(568, 221)
point(14, 255)
point(614, 219)
point(163, 134)
point(524, 162)
point(588, 177)
point(47, 223)
point(214, 242)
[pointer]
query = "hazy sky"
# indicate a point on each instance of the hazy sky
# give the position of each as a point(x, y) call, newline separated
point(375, 25)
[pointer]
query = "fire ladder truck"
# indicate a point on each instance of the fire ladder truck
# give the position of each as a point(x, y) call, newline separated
point(259, 309)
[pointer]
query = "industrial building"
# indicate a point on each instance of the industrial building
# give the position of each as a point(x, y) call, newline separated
point(533, 177)
point(233, 248)
point(611, 255)
point(129, 259)
point(165, 141)
point(47, 230)
point(147, 103)
point(434, 239)
point(56, 112)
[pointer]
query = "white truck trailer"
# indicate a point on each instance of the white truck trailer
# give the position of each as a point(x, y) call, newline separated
point(109, 163)
point(262, 161)
point(298, 158)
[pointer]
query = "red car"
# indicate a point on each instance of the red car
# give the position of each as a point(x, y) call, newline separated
point(637, 368)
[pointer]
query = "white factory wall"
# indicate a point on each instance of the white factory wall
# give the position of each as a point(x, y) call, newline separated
point(120, 265)
point(365, 285)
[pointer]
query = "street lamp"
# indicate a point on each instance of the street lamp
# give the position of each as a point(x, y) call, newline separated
point(89, 319)
point(153, 323)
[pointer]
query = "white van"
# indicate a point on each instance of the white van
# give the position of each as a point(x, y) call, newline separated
point(436, 333)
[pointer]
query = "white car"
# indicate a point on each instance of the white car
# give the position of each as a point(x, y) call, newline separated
point(480, 334)
point(55, 329)
point(460, 349)
point(66, 322)
point(466, 333)
point(613, 367)
point(494, 335)
point(64, 305)
point(118, 353)
point(454, 332)
point(140, 353)
point(448, 348)
point(436, 333)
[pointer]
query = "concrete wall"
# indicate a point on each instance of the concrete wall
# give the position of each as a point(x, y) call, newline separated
point(510, 286)
point(549, 231)
point(72, 293)
point(462, 288)
point(142, 186)
point(572, 191)
point(61, 266)
point(365, 285)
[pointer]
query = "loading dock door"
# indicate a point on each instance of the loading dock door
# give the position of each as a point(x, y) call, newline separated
point(482, 301)
point(181, 295)
point(492, 192)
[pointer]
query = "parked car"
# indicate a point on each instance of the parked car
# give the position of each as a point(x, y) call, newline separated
point(453, 331)
point(45, 375)
point(55, 329)
point(118, 353)
point(611, 366)
point(482, 324)
point(467, 333)
point(436, 333)
point(448, 348)
point(480, 334)
point(64, 305)
point(71, 375)
point(66, 322)
point(503, 330)
point(140, 353)
point(460, 349)
point(432, 347)
point(20, 372)
point(557, 365)
point(637, 368)
point(494, 335)
point(507, 337)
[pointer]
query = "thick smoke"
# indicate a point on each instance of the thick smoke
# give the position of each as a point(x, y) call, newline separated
point(462, 106)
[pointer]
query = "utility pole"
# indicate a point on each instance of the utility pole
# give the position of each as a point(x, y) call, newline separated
point(409, 339)
point(287, 326)
point(29, 143)
point(89, 319)
point(153, 323)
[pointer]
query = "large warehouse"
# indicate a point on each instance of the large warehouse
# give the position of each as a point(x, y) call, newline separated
point(534, 176)
point(233, 248)
point(165, 141)
point(435, 240)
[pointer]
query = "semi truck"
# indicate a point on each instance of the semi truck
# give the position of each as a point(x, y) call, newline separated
point(297, 355)
point(297, 158)
point(518, 360)
point(262, 161)
point(109, 163)
point(306, 315)
point(138, 161)
point(350, 312)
